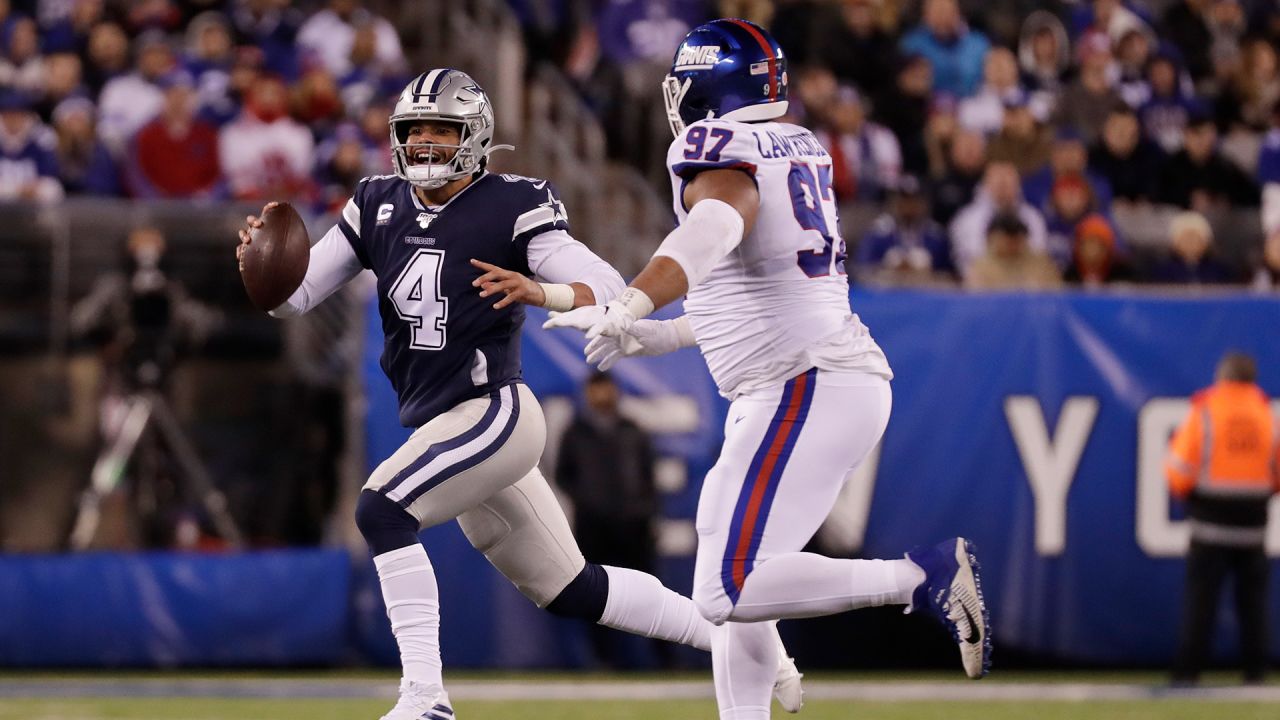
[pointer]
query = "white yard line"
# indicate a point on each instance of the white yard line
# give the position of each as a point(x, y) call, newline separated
point(534, 690)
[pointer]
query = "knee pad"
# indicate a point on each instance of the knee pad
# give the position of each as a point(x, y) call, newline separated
point(585, 596)
point(384, 524)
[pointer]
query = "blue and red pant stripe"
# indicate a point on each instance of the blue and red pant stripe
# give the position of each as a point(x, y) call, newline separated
point(761, 483)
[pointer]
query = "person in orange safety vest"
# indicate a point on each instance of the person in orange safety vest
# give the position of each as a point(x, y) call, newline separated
point(1223, 463)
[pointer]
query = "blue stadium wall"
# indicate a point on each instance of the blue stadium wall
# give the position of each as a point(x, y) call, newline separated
point(1033, 424)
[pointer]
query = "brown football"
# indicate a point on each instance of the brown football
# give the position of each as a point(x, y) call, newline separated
point(274, 263)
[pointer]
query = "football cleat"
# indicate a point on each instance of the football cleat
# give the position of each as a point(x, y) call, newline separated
point(418, 702)
point(952, 594)
point(786, 685)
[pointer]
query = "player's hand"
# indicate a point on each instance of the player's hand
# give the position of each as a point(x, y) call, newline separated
point(251, 223)
point(611, 320)
point(517, 287)
point(646, 338)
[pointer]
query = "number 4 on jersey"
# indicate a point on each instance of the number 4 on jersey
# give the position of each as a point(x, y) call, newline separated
point(810, 194)
point(418, 301)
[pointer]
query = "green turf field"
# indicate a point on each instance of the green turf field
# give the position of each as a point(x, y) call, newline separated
point(238, 709)
point(365, 695)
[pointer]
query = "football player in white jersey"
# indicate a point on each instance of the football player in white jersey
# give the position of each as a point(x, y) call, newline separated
point(758, 253)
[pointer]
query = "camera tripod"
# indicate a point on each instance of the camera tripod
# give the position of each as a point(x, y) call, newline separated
point(148, 411)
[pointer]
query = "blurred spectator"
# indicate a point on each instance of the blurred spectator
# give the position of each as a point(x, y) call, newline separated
point(176, 154)
point(1226, 23)
point(1044, 53)
point(209, 56)
point(130, 101)
point(272, 27)
point(965, 162)
point(1191, 261)
point(370, 78)
point(1095, 260)
point(954, 50)
point(857, 48)
point(265, 153)
point(904, 109)
point(1022, 140)
point(330, 34)
point(1068, 156)
point(1086, 101)
point(865, 157)
point(1112, 17)
point(1184, 24)
point(106, 55)
point(1200, 178)
point(220, 104)
point(1134, 51)
point(1269, 174)
point(1000, 194)
point(1009, 262)
point(353, 151)
point(1130, 163)
point(1070, 202)
point(985, 110)
point(606, 467)
point(85, 166)
point(63, 79)
point(315, 100)
point(1164, 115)
point(1252, 90)
point(22, 67)
point(813, 93)
point(1267, 275)
point(796, 23)
point(905, 244)
point(160, 15)
point(28, 166)
point(64, 26)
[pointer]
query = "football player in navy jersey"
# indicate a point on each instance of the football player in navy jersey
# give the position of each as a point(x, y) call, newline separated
point(454, 249)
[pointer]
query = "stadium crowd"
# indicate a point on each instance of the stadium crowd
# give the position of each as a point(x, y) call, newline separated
point(999, 144)
point(1006, 143)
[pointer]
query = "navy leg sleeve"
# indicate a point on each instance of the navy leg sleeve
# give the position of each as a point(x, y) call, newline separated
point(584, 597)
point(385, 525)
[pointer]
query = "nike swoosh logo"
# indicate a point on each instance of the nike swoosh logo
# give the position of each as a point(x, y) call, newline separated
point(974, 635)
point(739, 419)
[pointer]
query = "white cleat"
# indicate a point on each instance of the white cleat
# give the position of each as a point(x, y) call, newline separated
point(418, 702)
point(786, 686)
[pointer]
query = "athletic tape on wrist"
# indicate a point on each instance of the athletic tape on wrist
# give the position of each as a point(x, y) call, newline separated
point(559, 297)
point(636, 302)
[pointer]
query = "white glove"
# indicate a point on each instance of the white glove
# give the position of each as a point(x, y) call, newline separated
point(611, 320)
point(645, 337)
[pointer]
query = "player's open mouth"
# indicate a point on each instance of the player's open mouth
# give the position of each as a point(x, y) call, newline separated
point(426, 156)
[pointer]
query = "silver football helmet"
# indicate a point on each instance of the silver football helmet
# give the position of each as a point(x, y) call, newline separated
point(445, 95)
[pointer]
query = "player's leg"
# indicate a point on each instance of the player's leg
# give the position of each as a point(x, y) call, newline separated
point(446, 467)
point(523, 531)
point(782, 466)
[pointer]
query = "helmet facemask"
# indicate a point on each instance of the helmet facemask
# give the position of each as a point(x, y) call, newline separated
point(673, 92)
point(426, 174)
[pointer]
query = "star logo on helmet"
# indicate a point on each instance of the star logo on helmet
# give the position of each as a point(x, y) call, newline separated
point(556, 207)
point(474, 90)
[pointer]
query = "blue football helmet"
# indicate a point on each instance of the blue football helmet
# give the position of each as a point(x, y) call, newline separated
point(730, 69)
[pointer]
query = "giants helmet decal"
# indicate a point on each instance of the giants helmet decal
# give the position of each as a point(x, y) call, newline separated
point(730, 69)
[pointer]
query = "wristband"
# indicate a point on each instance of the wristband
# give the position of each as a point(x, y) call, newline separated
point(558, 297)
point(636, 302)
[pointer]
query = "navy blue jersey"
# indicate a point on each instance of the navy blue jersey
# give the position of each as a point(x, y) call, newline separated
point(444, 343)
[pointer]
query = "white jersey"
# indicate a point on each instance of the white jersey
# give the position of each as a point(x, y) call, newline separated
point(778, 304)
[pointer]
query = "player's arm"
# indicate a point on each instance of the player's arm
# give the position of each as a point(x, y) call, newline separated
point(722, 210)
point(575, 276)
point(723, 203)
point(332, 264)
